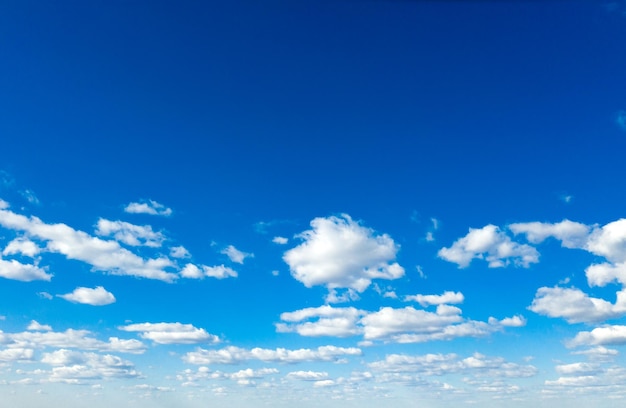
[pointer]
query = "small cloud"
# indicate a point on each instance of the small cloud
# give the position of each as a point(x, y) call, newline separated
point(45, 295)
point(30, 196)
point(620, 119)
point(148, 207)
point(179, 252)
point(420, 271)
point(36, 326)
point(566, 198)
point(430, 237)
point(280, 240)
point(435, 222)
point(6, 179)
point(95, 297)
point(275, 273)
point(3, 318)
point(236, 255)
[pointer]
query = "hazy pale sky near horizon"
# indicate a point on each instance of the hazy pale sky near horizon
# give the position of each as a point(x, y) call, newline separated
point(337, 203)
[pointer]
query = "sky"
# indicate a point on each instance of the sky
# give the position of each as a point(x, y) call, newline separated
point(345, 203)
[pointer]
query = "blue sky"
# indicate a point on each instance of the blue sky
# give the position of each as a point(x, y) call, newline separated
point(347, 203)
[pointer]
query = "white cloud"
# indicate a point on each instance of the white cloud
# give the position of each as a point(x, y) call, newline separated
point(70, 338)
point(234, 355)
point(448, 297)
point(236, 255)
point(30, 196)
point(407, 325)
point(171, 333)
point(130, 234)
point(22, 272)
point(149, 207)
point(491, 244)
point(307, 375)
point(98, 296)
point(16, 354)
point(192, 271)
point(179, 252)
point(75, 367)
point(575, 306)
point(571, 234)
point(340, 253)
point(102, 255)
point(21, 246)
point(577, 369)
point(36, 326)
point(605, 273)
point(609, 241)
point(280, 240)
point(600, 336)
point(327, 321)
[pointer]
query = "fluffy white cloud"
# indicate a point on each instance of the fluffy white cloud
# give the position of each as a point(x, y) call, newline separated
point(448, 297)
point(340, 253)
point(605, 273)
point(308, 375)
point(406, 325)
point(102, 255)
point(21, 246)
point(171, 333)
point(22, 272)
point(70, 339)
point(75, 367)
point(98, 296)
point(492, 245)
point(179, 252)
point(327, 321)
point(442, 364)
point(36, 326)
point(280, 240)
point(130, 234)
point(236, 255)
point(149, 207)
point(234, 355)
point(600, 336)
point(192, 271)
point(577, 369)
point(16, 354)
point(575, 306)
point(609, 241)
point(571, 234)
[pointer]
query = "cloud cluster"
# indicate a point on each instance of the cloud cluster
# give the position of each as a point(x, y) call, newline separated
point(150, 207)
point(340, 253)
point(75, 367)
point(192, 271)
point(403, 325)
point(235, 355)
point(171, 333)
point(130, 234)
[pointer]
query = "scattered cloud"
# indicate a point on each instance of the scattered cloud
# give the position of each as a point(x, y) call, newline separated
point(192, 271)
point(491, 244)
point(106, 256)
point(74, 367)
point(280, 240)
point(575, 306)
point(30, 196)
point(448, 297)
point(307, 375)
point(236, 255)
point(179, 252)
point(600, 336)
point(36, 326)
point(98, 296)
point(326, 321)
point(21, 246)
point(571, 234)
point(235, 355)
point(150, 207)
point(12, 269)
point(171, 333)
point(130, 234)
point(340, 253)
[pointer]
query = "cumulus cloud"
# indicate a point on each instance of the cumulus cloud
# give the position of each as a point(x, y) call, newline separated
point(130, 234)
point(74, 367)
point(609, 241)
point(280, 240)
point(21, 246)
point(406, 325)
point(448, 297)
point(22, 272)
point(150, 207)
point(307, 375)
point(235, 355)
point(492, 245)
point(605, 273)
point(442, 364)
point(600, 336)
point(36, 326)
point(16, 354)
point(575, 306)
point(97, 296)
point(192, 271)
point(171, 333)
point(106, 256)
point(179, 252)
point(340, 253)
point(236, 255)
point(571, 234)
